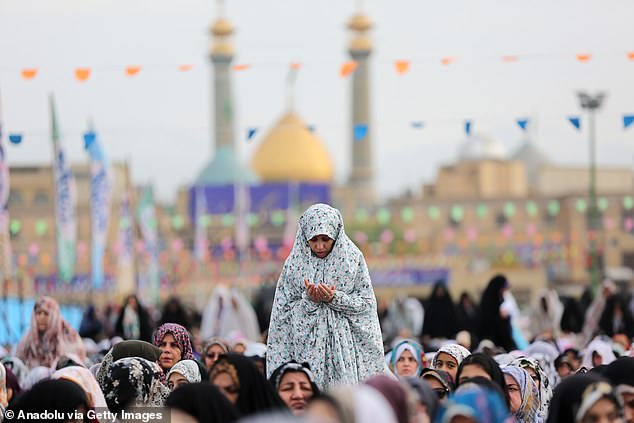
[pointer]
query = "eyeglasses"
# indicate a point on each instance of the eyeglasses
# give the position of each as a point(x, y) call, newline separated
point(231, 389)
point(212, 355)
point(440, 392)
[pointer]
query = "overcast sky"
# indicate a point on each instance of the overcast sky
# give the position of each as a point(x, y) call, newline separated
point(160, 120)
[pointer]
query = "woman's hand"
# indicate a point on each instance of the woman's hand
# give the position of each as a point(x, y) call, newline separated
point(319, 293)
point(311, 291)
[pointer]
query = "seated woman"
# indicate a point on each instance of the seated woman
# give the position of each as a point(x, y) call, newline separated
point(523, 394)
point(449, 357)
point(479, 364)
point(295, 385)
point(407, 359)
point(584, 398)
point(324, 312)
point(539, 376)
point(244, 386)
point(82, 377)
point(212, 349)
point(182, 373)
point(474, 404)
point(200, 402)
point(440, 382)
point(175, 345)
point(49, 337)
point(124, 349)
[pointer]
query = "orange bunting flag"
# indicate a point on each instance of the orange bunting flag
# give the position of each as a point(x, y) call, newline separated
point(510, 59)
point(185, 68)
point(583, 58)
point(402, 66)
point(347, 68)
point(241, 67)
point(447, 60)
point(29, 73)
point(296, 65)
point(132, 70)
point(82, 74)
point(630, 55)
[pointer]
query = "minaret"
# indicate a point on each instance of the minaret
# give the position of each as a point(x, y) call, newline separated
point(360, 47)
point(221, 55)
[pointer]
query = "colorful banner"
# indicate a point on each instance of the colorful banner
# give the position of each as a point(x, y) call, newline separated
point(100, 202)
point(201, 244)
point(65, 203)
point(146, 215)
point(126, 234)
point(241, 211)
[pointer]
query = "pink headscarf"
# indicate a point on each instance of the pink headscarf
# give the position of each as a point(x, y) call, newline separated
point(82, 377)
point(59, 338)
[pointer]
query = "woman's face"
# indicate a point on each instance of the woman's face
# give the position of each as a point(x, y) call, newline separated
point(171, 353)
point(603, 411)
point(239, 348)
point(212, 354)
point(446, 362)
point(513, 390)
point(437, 387)
point(406, 365)
point(41, 319)
point(176, 380)
point(472, 370)
point(321, 411)
point(533, 375)
point(295, 390)
point(224, 382)
point(132, 302)
point(321, 245)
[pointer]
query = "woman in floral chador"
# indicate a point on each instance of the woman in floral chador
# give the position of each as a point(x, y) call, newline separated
point(324, 311)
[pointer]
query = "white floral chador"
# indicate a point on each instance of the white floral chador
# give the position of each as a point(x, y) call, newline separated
point(341, 340)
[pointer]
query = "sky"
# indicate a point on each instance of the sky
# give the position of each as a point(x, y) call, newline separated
point(160, 121)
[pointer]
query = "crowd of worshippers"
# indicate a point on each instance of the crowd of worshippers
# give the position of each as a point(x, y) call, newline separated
point(443, 363)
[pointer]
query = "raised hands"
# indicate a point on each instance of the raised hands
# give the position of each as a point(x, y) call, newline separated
point(319, 293)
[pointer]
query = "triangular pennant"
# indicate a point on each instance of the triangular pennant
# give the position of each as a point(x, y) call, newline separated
point(89, 139)
point(447, 60)
point(575, 121)
point(402, 66)
point(583, 58)
point(132, 70)
point(29, 73)
point(295, 66)
point(360, 131)
point(185, 68)
point(241, 67)
point(417, 124)
point(347, 68)
point(467, 127)
point(15, 138)
point(627, 121)
point(522, 123)
point(510, 59)
point(82, 74)
point(630, 55)
point(251, 132)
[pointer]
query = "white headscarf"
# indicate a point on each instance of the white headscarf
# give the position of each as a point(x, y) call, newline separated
point(187, 368)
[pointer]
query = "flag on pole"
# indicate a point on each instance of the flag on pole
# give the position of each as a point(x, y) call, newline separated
point(627, 121)
point(100, 201)
point(522, 123)
point(65, 203)
point(575, 121)
point(126, 234)
point(146, 215)
point(467, 127)
point(201, 244)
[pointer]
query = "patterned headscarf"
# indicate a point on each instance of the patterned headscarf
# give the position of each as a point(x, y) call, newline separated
point(18, 368)
point(82, 377)
point(456, 351)
point(414, 348)
point(545, 387)
point(134, 381)
point(60, 338)
point(529, 408)
point(180, 334)
point(187, 368)
point(480, 404)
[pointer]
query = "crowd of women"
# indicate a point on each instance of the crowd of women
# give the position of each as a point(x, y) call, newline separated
point(332, 355)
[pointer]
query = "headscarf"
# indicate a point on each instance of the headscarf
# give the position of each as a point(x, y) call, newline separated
point(361, 403)
point(414, 348)
point(395, 394)
point(575, 395)
point(529, 408)
point(458, 352)
point(620, 372)
point(480, 404)
point(17, 366)
point(545, 353)
point(442, 377)
point(204, 402)
point(491, 325)
point(12, 383)
point(228, 312)
point(256, 394)
point(36, 375)
point(426, 396)
point(4, 400)
point(342, 339)
point(215, 341)
point(545, 387)
point(63, 396)
point(181, 336)
point(134, 381)
point(58, 339)
point(603, 348)
point(292, 366)
point(187, 368)
point(82, 377)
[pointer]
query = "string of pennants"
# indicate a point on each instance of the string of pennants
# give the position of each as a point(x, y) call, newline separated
point(401, 67)
point(360, 130)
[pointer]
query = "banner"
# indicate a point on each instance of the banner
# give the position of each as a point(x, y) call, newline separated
point(201, 245)
point(146, 215)
point(100, 202)
point(241, 211)
point(65, 203)
point(126, 234)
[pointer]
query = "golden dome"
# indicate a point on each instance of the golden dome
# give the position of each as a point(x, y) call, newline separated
point(222, 28)
point(290, 152)
point(360, 22)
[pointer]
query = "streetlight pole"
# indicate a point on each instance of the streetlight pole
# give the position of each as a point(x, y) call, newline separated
point(592, 104)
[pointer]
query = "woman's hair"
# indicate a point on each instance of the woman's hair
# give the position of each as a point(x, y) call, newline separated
point(489, 365)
